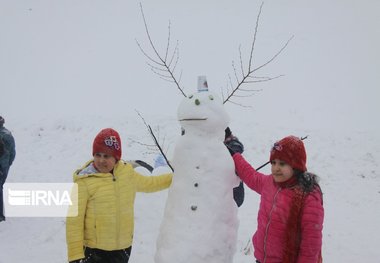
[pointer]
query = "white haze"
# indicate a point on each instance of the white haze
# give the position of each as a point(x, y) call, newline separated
point(80, 57)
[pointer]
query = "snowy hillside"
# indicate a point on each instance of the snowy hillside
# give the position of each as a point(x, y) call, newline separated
point(50, 150)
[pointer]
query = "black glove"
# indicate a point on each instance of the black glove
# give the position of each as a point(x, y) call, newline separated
point(227, 133)
point(234, 145)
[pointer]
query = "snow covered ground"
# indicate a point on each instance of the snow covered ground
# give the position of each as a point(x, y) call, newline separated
point(71, 68)
point(51, 149)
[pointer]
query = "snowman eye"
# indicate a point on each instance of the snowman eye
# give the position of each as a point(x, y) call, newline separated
point(191, 96)
point(211, 97)
point(197, 102)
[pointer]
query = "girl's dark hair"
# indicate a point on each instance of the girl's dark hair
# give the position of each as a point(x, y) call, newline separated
point(307, 181)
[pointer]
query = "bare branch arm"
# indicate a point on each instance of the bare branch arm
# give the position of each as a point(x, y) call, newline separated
point(275, 56)
point(159, 147)
point(254, 37)
point(162, 61)
point(247, 75)
point(155, 140)
point(167, 46)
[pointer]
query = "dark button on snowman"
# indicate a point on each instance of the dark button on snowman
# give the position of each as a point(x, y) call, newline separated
point(200, 223)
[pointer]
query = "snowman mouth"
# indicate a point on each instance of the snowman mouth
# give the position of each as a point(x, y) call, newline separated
point(194, 119)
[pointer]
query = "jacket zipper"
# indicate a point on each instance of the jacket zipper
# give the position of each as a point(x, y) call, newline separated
point(117, 204)
point(269, 222)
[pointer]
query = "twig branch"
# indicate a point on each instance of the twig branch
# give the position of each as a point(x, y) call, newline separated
point(247, 74)
point(275, 56)
point(165, 62)
point(159, 147)
point(142, 144)
point(155, 140)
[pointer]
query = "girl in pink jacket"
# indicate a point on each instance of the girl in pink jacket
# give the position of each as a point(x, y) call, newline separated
point(290, 217)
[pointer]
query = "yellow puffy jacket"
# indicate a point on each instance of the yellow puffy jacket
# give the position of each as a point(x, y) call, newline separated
point(105, 207)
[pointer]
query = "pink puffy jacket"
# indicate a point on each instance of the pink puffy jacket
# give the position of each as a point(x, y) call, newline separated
point(269, 239)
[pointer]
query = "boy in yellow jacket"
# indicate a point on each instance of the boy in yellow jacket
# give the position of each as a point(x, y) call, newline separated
point(103, 230)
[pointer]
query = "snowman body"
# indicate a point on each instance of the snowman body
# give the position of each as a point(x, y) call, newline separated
point(200, 218)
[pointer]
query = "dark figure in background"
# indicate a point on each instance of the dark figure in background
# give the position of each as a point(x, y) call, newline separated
point(237, 147)
point(7, 155)
point(1, 148)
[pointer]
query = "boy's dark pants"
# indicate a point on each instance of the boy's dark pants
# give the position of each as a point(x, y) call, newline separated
point(94, 255)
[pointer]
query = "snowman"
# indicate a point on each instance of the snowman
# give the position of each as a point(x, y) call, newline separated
point(200, 218)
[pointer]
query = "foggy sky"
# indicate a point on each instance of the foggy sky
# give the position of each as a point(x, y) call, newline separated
point(81, 58)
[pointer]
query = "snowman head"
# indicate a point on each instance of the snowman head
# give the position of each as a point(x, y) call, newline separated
point(203, 113)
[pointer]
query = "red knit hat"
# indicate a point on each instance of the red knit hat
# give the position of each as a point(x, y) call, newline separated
point(290, 150)
point(107, 141)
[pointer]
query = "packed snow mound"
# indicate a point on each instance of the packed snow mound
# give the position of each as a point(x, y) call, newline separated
point(200, 221)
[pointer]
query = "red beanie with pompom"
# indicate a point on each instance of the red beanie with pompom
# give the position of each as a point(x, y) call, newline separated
point(290, 150)
point(107, 141)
